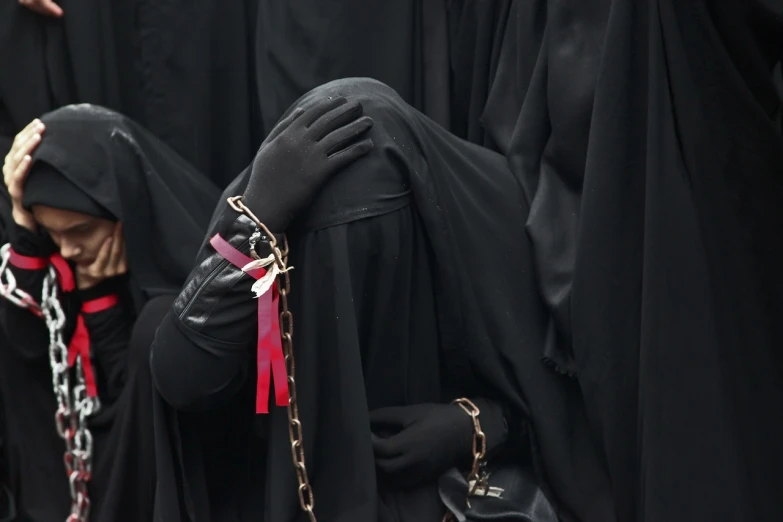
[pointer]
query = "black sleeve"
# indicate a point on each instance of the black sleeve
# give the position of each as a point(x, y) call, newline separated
point(26, 332)
point(493, 419)
point(202, 351)
point(109, 332)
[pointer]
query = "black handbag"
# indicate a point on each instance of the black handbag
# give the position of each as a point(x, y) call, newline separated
point(512, 495)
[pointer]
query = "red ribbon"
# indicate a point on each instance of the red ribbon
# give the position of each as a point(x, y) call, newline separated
point(269, 350)
point(80, 342)
point(64, 273)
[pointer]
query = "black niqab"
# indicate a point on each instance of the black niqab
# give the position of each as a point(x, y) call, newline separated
point(464, 238)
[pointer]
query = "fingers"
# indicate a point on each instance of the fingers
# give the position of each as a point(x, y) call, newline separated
point(44, 7)
point(97, 269)
point(346, 135)
point(283, 125)
point(336, 118)
point(25, 133)
point(385, 447)
point(322, 107)
point(24, 143)
point(116, 261)
point(392, 417)
point(342, 158)
point(15, 181)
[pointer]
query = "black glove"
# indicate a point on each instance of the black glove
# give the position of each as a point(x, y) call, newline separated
point(300, 155)
point(416, 444)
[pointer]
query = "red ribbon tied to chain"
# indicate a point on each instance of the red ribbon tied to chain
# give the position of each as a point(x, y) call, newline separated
point(269, 350)
point(80, 342)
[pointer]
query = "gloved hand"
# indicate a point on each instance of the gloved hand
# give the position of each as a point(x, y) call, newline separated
point(415, 444)
point(300, 155)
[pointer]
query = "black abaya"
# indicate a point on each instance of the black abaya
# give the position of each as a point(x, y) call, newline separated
point(690, 385)
point(85, 56)
point(426, 230)
point(182, 71)
point(301, 44)
point(647, 138)
point(164, 207)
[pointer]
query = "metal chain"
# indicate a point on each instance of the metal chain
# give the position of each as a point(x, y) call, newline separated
point(8, 288)
point(477, 478)
point(305, 492)
point(73, 404)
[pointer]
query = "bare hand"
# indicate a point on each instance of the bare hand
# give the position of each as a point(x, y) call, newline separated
point(110, 262)
point(44, 7)
point(16, 167)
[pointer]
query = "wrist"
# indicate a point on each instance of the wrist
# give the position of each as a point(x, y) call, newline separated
point(276, 221)
point(493, 423)
point(24, 219)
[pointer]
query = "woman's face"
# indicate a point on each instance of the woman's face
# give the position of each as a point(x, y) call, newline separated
point(78, 236)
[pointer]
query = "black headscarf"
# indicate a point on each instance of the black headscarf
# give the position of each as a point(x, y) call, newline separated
point(112, 167)
point(46, 186)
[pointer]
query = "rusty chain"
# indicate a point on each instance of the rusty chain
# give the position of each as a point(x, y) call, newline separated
point(305, 492)
point(477, 478)
point(73, 405)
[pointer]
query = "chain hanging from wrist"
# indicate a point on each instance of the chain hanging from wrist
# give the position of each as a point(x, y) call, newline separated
point(74, 407)
point(262, 234)
point(477, 477)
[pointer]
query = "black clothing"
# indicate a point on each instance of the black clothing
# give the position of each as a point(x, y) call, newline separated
point(409, 262)
point(46, 63)
point(46, 186)
point(301, 44)
point(7, 501)
point(195, 64)
point(164, 205)
point(182, 71)
point(647, 138)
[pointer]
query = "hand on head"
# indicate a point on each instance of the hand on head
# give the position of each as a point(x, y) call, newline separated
point(44, 7)
point(301, 153)
point(16, 167)
point(110, 261)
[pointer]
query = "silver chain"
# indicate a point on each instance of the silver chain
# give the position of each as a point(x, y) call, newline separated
point(73, 404)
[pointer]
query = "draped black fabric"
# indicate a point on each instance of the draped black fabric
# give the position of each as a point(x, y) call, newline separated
point(477, 29)
point(386, 307)
point(164, 205)
point(647, 138)
point(301, 44)
point(195, 72)
point(85, 56)
point(183, 71)
point(7, 504)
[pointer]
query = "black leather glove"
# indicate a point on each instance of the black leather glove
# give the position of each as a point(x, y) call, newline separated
point(416, 444)
point(300, 154)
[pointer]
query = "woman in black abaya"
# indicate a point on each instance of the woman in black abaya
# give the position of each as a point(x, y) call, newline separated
point(647, 137)
point(413, 285)
point(127, 215)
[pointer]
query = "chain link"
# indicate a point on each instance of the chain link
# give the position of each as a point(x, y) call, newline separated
point(8, 288)
point(305, 492)
point(73, 404)
point(477, 478)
